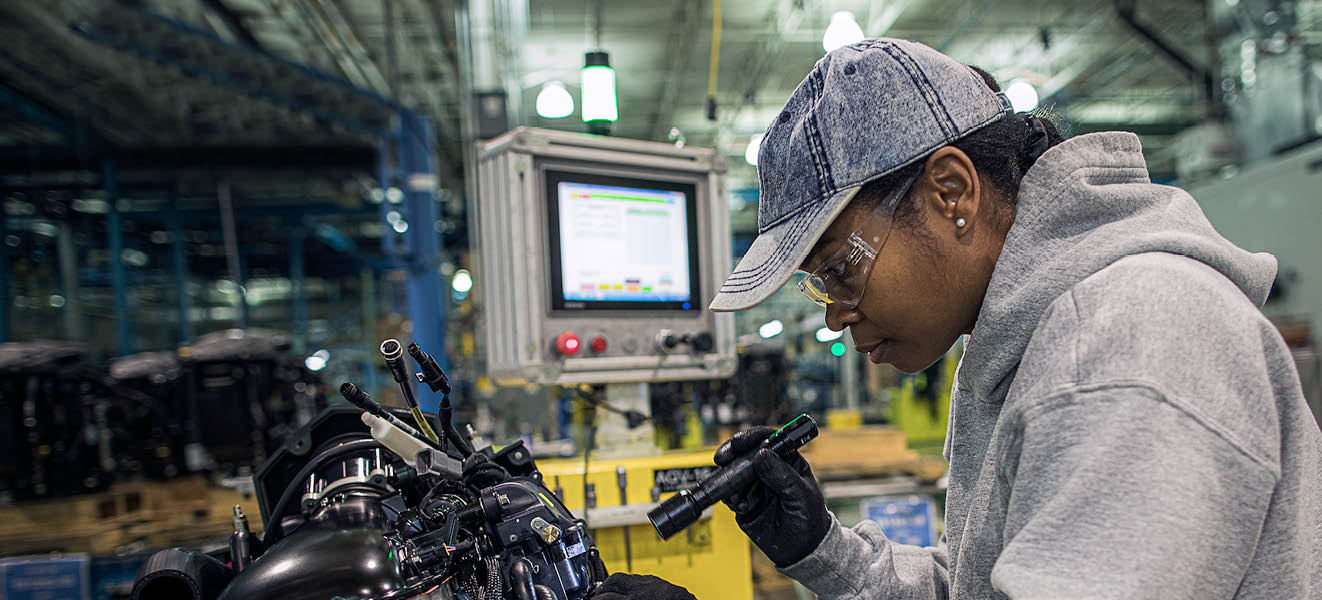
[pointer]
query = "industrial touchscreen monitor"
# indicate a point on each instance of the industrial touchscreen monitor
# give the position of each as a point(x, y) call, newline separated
point(622, 243)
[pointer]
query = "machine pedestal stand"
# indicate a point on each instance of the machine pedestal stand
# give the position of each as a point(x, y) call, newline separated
point(614, 438)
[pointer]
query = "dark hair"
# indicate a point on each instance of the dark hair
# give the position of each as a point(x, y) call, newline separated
point(1002, 151)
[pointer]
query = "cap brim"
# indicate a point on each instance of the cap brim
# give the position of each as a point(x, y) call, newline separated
point(777, 253)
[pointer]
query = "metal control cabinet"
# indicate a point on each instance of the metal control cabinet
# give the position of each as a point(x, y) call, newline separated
point(513, 243)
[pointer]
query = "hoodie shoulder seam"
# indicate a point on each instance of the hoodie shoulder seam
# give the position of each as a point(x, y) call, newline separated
point(1172, 268)
point(1064, 394)
point(1074, 347)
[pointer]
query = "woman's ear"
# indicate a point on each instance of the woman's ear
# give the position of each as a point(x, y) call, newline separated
point(950, 186)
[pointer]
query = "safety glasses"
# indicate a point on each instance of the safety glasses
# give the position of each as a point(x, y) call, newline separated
point(842, 278)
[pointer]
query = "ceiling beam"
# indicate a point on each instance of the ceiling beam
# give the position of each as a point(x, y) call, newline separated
point(759, 59)
point(680, 49)
point(234, 22)
point(449, 138)
point(1125, 11)
point(1145, 129)
point(439, 38)
point(432, 97)
point(288, 14)
point(883, 15)
point(970, 21)
point(331, 158)
point(343, 42)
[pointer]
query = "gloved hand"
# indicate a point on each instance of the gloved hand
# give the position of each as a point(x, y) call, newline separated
point(783, 512)
point(623, 586)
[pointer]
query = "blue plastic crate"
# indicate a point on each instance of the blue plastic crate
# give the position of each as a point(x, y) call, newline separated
point(45, 578)
point(906, 520)
point(113, 576)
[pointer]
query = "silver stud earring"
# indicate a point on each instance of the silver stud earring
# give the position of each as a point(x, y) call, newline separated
point(960, 223)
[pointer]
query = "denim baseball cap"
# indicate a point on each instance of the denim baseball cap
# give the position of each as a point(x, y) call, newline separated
point(865, 111)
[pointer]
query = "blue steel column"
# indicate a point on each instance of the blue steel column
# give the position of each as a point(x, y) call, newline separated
point(367, 277)
point(370, 364)
point(427, 301)
point(4, 277)
point(179, 265)
point(115, 231)
point(385, 171)
point(298, 278)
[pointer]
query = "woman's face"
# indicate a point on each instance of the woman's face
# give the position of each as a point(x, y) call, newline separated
point(926, 286)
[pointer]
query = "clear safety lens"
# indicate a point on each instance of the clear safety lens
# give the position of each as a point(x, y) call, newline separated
point(843, 278)
point(814, 288)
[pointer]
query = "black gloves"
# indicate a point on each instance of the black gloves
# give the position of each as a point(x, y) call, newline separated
point(622, 586)
point(783, 512)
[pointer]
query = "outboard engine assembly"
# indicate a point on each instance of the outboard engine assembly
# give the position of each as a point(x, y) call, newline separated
point(359, 504)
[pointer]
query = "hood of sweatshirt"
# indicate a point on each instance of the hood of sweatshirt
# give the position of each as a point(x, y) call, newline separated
point(1087, 203)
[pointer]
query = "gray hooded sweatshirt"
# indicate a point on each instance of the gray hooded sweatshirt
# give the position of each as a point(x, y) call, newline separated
point(1125, 423)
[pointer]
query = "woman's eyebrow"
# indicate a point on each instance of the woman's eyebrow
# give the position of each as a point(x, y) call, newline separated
point(822, 244)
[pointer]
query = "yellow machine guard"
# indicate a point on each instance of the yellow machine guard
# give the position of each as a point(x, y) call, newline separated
point(711, 558)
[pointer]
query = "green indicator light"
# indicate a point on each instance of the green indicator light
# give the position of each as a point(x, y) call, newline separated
point(838, 349)
point(598, 100)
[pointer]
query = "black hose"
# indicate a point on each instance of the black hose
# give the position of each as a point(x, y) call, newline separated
point(445, 413)
point(274, 526)
point(520, 580)
point(178, 574)
point(443, 416)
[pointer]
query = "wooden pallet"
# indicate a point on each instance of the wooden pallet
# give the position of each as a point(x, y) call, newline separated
point(867, 452)
point(186, 511)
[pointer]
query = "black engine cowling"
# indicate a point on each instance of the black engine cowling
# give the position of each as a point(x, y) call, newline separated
point(341, 552)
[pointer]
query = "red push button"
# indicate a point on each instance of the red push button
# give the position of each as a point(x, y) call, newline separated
point(598, 344)
point(567, 344)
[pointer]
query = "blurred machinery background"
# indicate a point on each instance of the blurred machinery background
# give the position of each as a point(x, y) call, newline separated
point(214, 210)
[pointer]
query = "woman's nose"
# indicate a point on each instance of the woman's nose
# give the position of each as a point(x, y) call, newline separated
point(838, 317)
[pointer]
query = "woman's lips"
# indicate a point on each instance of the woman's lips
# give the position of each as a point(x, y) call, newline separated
point(878, 354)
point(876, 351)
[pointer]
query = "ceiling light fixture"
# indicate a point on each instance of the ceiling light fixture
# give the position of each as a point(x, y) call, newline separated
point(826, 335)
point(317, 361)
point(842, 31)
point(554, 101)
point(1022, 95)
point(462, 282)
point(754, 145)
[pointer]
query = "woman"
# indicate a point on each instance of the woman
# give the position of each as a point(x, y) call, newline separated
point(1124, 422)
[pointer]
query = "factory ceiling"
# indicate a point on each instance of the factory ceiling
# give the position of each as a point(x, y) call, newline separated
point(329, 74)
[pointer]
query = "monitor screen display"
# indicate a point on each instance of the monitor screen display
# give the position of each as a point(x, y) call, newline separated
point(621, 243)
